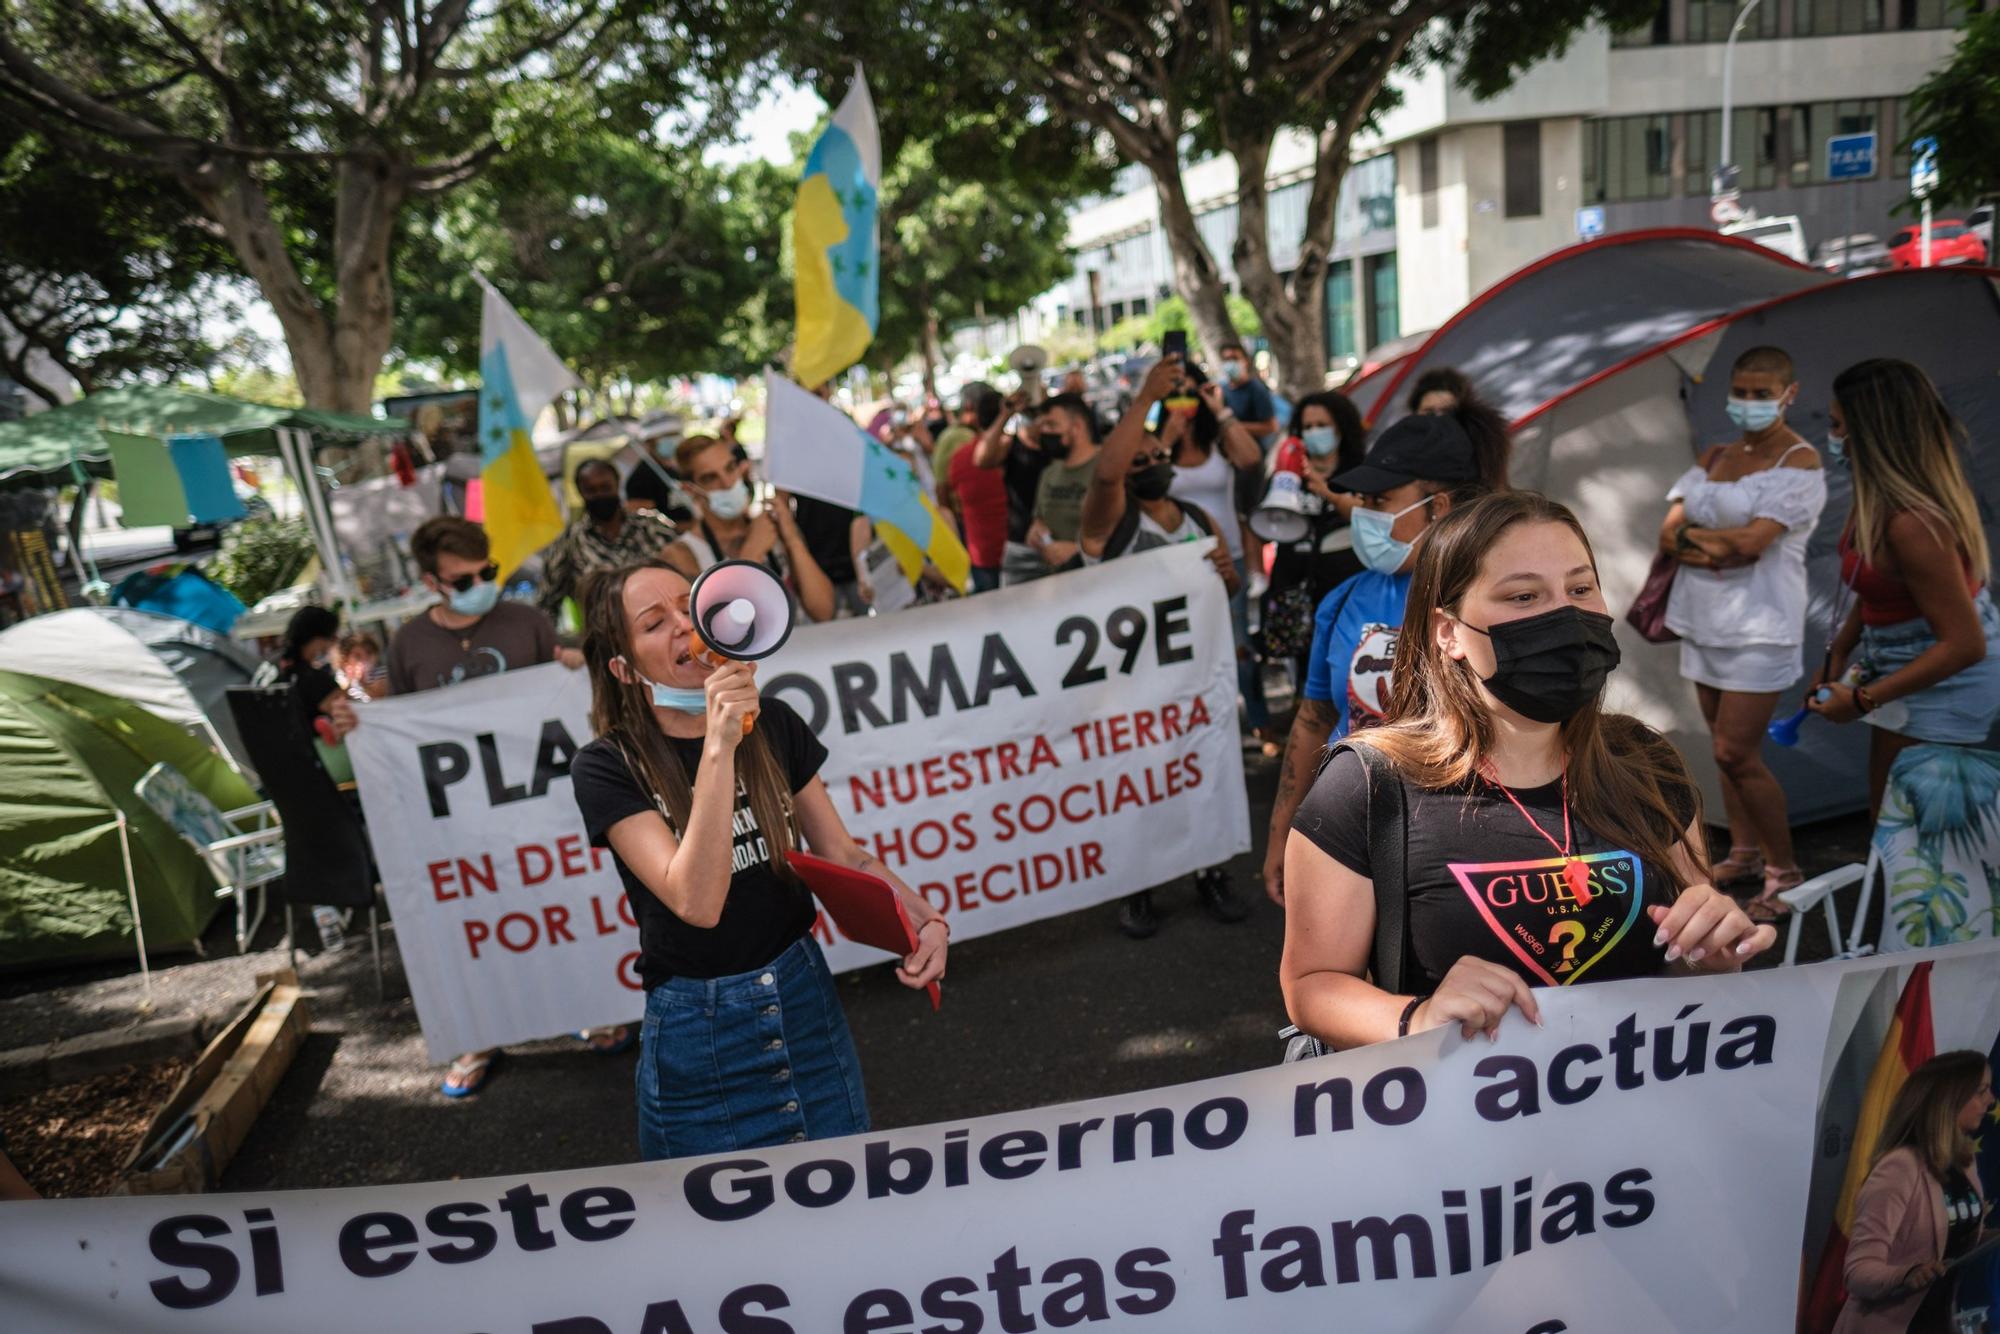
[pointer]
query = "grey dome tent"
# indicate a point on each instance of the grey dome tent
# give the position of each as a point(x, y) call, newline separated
point(173, 669)
point(1610, 359)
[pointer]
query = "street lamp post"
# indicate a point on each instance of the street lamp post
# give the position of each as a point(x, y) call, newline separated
point(1725, 170)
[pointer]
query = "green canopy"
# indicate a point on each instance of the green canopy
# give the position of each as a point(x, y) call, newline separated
point(69, 758)
point(44, 444)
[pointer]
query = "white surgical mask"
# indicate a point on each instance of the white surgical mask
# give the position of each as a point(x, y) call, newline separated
point(1319, 441)
point(1836, 447)
point(672, 697)
point(476, 600)
point(730, 502)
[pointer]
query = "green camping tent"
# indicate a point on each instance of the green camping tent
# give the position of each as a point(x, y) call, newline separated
point(35, 449)
point(69, 757)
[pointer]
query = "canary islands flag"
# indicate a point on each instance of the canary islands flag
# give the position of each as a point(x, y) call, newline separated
point(814, 449)
point(519, 375)
point(835, 284)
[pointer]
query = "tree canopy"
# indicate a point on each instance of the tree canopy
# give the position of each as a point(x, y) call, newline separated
point(1959, 106)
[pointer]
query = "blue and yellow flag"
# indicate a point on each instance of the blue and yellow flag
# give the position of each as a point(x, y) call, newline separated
point(519, 374)
point(836, 249)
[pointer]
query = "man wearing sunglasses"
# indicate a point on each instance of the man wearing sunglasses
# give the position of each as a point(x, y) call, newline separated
point(471, 633)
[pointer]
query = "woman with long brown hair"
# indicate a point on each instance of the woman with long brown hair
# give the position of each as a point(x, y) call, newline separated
point(1919, 656)
point(1529, 837)
point(744, 1043)
point(1921, 1207)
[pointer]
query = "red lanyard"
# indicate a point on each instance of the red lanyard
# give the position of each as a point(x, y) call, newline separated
point(1574, 872)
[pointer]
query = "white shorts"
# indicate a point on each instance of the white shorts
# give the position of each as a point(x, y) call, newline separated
point(1751, 668)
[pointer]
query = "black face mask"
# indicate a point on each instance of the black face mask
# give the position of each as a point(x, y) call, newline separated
point(1052, 444)
point(1151, 482)
point(600, 508)
point(1547, 667)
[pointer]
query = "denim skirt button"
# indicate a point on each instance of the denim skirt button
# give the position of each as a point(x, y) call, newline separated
point(782, 1075)
point(775, 1044)
point(765, 980)
point(793, 1107)
point(799, 1138)
point(770, 1009)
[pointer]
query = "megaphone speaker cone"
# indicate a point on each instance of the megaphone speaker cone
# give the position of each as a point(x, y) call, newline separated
point(741, 610)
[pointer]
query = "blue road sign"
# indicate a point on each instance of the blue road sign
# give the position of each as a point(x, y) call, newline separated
point(1850, 155)
point(1590, 222)
point(1923, 166)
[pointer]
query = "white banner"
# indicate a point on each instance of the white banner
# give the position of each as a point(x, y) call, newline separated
point(1639, 1164)
point(1013, 756)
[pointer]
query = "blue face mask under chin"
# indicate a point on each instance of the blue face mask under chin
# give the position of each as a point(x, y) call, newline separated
point(673, 697)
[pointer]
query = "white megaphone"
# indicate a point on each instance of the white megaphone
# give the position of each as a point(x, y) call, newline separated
point(1286, 512)
point(741, 611)
point(1029, 361)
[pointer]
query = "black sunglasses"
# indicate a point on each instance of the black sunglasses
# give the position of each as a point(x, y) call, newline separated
point(463, 583)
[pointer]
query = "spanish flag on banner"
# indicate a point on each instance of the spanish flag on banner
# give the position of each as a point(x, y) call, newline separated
point(1908, 1044)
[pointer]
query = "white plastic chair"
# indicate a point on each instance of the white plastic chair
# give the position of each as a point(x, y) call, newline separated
point(1818, 892)
point(244, 849)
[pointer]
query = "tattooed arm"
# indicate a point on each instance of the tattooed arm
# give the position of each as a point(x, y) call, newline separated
point(1303, 748)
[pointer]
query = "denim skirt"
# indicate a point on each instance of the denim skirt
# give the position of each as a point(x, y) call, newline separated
point(1959, 709)
point(748, 1061)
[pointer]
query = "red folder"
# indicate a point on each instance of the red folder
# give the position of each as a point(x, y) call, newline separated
point(865, 907)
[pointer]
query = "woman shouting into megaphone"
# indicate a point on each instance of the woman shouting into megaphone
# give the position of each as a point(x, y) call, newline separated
point(744, 1043)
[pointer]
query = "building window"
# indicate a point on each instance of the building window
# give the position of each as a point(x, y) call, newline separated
point(1710, 20)
point(1629, 157)
point(1898, 139)
point(1930, 14)
point(1340, 309)
point(1656, 33)
point(1753, 140)
point(1814, 124)
point(1385, 314)
point(1834, 18)
point(1521, 162)
point(1427, 180)
point(1139, 306)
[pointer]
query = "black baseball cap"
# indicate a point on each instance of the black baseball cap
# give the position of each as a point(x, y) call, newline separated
point(1431, 447)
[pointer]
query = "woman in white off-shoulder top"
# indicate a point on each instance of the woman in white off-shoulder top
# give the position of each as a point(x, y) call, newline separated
point(1739, 524)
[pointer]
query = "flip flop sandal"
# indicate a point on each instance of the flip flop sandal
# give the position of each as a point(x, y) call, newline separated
point(624, 1042)
point(1737, 867)
point(473, 1070)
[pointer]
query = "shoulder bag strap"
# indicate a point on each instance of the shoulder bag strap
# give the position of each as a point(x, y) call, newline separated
point(1388, 842)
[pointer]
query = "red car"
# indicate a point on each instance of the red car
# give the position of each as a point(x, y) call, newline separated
point(1952, 242)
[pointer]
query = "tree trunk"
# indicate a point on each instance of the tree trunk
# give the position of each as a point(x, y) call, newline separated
point(1292, 311)
point(1196, 276)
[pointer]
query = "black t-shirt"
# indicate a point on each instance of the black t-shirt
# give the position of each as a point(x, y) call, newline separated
point(764, 912)
point(310, 685)
point(1322, 560)
point(1963, 1220)
point(1023, 474)
point(827, 528)
point(1483, 883)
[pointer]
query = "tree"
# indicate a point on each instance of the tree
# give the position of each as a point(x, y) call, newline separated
point(1173, 313)
point(973, 219)
point(1959, 106)
point(113, 277)
point(302, 130)
point(632, 258)
point(1227, 76)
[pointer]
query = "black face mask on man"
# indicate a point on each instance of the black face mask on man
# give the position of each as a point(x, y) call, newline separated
point(1052, 444)
point(600, 508)
point(1151, 482)
point(1548, 667)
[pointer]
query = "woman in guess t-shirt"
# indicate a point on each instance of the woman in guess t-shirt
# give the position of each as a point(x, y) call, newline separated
point(744, 1043)
point(1545, 841)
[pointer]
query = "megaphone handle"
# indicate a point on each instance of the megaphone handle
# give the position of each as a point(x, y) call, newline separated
point(749, 722)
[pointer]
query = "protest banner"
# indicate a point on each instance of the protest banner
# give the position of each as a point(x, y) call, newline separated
point(1012, 756)
point(1639, 1163)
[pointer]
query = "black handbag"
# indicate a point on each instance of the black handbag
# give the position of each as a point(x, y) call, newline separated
point(1388, 844)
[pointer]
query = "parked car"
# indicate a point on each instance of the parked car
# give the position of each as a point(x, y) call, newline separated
point(1783, 235)
point(1980, 223)
point(1852, 255)
point(1952, 242)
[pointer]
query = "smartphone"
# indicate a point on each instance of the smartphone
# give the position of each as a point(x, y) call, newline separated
point(1174, 344)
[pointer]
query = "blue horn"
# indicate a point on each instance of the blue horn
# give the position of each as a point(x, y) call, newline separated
point(1785, 731)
